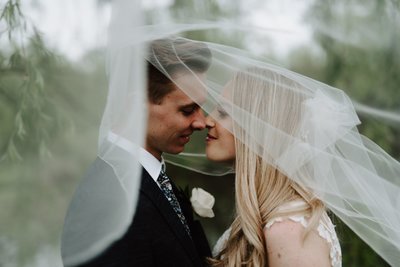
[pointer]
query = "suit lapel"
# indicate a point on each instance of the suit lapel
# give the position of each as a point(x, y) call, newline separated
point(198, 235)
point(153, 192)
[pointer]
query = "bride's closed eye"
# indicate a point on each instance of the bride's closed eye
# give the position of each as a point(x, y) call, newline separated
point(221, 112)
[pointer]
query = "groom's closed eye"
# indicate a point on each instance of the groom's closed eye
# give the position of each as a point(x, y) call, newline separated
point(189, 109)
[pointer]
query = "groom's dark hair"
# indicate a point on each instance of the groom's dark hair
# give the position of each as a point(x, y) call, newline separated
point(168, 56)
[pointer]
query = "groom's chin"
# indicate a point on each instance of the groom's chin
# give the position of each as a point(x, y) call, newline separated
point(176, 149)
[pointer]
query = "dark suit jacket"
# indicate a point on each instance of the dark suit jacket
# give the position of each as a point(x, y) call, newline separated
point(156, 236)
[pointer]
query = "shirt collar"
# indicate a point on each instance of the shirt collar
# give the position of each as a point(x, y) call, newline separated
point(150, 163)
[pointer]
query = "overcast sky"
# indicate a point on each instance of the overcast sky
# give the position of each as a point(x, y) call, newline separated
point(75, 26)
point(72, 26)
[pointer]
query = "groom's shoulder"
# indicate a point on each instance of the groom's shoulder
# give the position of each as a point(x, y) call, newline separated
point(99, 166)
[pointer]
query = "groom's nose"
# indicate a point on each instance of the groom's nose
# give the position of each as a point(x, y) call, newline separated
point(199, 120)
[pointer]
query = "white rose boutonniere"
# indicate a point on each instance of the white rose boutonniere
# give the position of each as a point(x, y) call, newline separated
point(202, 202)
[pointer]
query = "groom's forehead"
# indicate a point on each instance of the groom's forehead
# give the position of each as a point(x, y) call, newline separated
point(192, 85)
point(182, 99)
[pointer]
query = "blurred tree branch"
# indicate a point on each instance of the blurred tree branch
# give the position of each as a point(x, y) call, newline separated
point(23, 62)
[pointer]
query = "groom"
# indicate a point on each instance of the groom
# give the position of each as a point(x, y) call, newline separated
point(163, 231)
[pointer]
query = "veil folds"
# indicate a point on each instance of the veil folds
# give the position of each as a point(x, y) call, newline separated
point(303, 127)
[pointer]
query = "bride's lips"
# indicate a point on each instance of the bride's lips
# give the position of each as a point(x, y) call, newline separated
point(210, 138)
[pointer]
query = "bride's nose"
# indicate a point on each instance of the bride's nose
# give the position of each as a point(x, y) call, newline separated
point(210, 123)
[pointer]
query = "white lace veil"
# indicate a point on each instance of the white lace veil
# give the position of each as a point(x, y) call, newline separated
point(304, 128)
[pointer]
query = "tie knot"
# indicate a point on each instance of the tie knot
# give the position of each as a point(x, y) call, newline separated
point(162, 178)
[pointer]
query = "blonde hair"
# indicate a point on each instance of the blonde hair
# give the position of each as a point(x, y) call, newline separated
point(260, 187)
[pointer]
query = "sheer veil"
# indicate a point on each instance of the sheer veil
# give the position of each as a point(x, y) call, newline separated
point(102, 208)
point(323, 150)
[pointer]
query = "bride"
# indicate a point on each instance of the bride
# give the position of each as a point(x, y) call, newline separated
point(279, 222)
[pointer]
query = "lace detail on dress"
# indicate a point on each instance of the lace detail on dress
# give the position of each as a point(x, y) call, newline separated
point(326, 230)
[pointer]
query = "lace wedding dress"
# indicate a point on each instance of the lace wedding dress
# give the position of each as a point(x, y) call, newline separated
point(325, 229)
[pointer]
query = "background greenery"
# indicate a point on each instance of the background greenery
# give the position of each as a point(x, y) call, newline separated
point(50, 110)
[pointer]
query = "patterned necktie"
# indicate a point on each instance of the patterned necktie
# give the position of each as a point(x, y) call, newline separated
point(166, 187)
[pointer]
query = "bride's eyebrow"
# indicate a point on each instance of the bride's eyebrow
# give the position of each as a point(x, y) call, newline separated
point(224, 104)
point(219, 106)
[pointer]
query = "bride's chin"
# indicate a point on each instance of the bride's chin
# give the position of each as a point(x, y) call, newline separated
point(209, 154)
point(211, 157)
point(223, 160)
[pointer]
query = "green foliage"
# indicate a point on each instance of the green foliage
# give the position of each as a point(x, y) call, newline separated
point(28, 109)
point(355, 252)
point(46, 104)
point(12, 16)
point(35, 192)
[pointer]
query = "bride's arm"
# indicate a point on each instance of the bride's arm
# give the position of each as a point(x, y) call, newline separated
point(287, 247)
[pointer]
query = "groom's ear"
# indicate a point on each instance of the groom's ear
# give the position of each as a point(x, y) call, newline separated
point(158, 85)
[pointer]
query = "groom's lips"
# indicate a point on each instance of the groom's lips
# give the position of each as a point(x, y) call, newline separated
point(185, 138)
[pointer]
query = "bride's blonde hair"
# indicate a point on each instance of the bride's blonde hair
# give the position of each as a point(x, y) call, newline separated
point(260, 187)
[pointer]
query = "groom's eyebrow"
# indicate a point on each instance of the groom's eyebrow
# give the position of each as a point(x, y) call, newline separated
point(188, 108)
point(190, 105)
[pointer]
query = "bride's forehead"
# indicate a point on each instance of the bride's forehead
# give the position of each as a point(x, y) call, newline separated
point(227, 91)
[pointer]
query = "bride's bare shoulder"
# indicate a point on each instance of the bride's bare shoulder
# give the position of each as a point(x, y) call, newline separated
point(286, 245)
